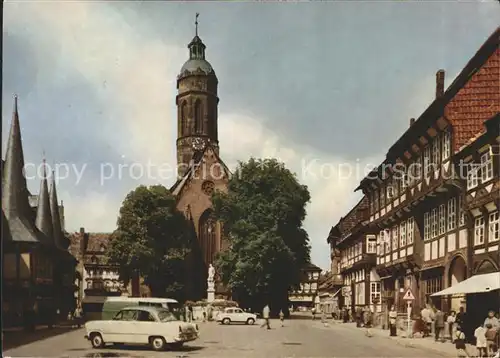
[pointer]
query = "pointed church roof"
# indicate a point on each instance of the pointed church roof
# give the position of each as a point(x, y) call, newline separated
point(15, 193)
point(43, 219)
point(60, 240)
point(194, 163)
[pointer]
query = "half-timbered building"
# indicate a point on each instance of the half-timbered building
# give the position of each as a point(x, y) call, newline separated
point(356, 243)
point(38, 271)
point(417, 197)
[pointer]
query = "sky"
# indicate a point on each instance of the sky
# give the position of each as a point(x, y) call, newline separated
point(326, 87)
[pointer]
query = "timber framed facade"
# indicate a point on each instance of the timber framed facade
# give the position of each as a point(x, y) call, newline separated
point(433, 202)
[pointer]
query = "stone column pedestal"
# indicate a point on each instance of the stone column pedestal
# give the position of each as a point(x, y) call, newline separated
point(211, 292)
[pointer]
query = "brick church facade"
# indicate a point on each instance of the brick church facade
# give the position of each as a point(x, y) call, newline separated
point(200, 169)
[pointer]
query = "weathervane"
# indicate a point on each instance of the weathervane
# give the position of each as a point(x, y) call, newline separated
point(196, 22)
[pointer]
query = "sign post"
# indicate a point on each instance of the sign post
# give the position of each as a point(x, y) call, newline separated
point(408, 297)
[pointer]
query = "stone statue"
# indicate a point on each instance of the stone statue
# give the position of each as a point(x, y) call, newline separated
point(211, 273)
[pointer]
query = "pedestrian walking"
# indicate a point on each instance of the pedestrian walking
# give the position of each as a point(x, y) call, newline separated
point(282, 318)
point(460, 344)
point(313, 311)
point(265, 315)
point(78, 315)
point(439, 325)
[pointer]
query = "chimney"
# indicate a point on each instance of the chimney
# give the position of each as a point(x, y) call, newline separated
point(82, 230)
point(412, 121)
point(439, 83)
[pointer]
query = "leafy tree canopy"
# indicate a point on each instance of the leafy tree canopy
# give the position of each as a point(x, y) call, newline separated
point(153, 239)
point(262, 213)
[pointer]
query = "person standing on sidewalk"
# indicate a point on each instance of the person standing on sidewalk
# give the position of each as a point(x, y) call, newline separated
point(393, 316)
point(451, 325)
point(265, 315)
point(491, 338)
point(480, 334)
point(439, 325)
point(282, 318)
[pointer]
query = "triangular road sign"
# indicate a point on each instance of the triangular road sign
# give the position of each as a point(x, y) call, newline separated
point(408, 296)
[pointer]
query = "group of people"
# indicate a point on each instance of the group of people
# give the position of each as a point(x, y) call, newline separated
point(458, 328)
point(266, 312)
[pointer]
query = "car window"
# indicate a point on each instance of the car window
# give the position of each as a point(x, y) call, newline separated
point(126, 315)
point(166, 316)
point(229, 311)
point(238, 311)
point(145, 316)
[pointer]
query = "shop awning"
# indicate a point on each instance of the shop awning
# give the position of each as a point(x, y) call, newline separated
point(475, 284)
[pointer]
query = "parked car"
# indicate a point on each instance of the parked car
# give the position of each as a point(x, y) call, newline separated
point(236, 315)
point(141, 325)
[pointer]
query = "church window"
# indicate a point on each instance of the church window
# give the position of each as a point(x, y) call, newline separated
point(198, 117)
point(184, 121)
point(207, 236)
point(208, 187)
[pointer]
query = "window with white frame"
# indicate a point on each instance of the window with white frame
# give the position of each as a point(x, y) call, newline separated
point(404, 179)
point(452, 214)
point(402, 234)
point(427, 226)
point(479, 231)
point(375, 292)
point(389, 190)
point(493, 224)
point(410, 227)
point(486, 167)
point(461, 212)
point(427, 160)
point(371, 244)
point(387, 241)
point(434, 223)
point(445, 145)
point(442, 219)
point(360, 293)
point(472, 176)
point(395, 237)
point(435, 153)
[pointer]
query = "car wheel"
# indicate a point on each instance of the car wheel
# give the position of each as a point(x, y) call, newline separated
point(158, 343)
point(96, 340)
point(250, 321)
point(226, 321)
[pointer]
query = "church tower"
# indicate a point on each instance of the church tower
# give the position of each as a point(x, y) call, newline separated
point(197, 103)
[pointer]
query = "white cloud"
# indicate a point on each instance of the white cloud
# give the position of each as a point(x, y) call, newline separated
point(134, 77)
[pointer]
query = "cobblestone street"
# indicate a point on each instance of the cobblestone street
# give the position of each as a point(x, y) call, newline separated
point(299, 338)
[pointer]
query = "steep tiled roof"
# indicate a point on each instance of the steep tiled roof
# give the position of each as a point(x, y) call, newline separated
point(477, 101)
point(354, 217)
point(195, 162)
point(312, 267)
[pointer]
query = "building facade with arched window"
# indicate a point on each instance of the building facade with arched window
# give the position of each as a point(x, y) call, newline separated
point(200, 169)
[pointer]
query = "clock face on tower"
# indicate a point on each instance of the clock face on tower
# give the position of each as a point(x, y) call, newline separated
point(199, 143)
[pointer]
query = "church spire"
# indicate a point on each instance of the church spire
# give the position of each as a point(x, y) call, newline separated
point(15, 193)
point(56, 217)
point(196, 46)
point(196, 23)
point(43, 216)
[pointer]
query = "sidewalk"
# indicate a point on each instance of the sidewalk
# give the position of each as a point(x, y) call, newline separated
point(446, 348)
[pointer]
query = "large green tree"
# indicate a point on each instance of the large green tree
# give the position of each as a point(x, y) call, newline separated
point(153, 240)
point(262, 215)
